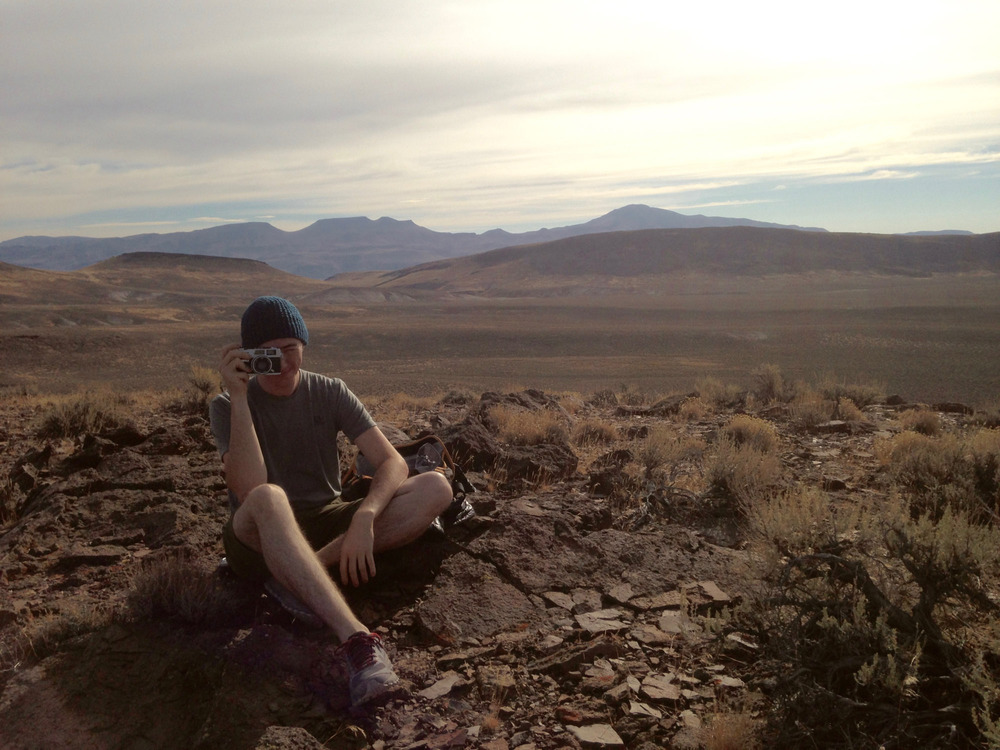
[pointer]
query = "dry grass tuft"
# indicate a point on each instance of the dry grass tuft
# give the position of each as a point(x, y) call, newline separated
point(665, 447)
point(745, 466)
point(75, 416)
point(811, 410)
point(769, 384)
point(571, 401)
point(743, 474)
point(594, 432)
point(42, 635)
point(730, 731)
point(694, 410)
point(491, 723)
point(860, 394)
point(924, 421)
point(203, 384)
point(716, 393)
point(47, 632)
point(8, 501)
point(987, 416)
point(402, 405)
point(521, 427)
point(628, 395)
point(173, 587)
point(849, 410)
point(752, 432)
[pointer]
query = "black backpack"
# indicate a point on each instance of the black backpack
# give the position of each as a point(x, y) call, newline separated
point(427, 453)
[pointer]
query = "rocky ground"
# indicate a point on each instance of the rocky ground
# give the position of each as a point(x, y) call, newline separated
point(566, 614)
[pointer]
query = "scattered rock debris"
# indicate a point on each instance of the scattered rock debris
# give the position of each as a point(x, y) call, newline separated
point(541, 623)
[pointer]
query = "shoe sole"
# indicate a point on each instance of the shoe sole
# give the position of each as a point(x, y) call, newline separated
point(397, 689)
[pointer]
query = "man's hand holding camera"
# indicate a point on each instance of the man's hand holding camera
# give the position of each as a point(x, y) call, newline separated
point(234, 370)
point(239, 364)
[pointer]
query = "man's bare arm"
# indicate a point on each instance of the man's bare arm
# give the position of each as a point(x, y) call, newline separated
point(244, 461)
point(357, 557)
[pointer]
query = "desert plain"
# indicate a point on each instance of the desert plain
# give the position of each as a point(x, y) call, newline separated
point(671, 548)
point(143, 322)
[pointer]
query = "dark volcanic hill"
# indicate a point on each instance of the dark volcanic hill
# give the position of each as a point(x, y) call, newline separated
point(333, 246)
point(640, 261)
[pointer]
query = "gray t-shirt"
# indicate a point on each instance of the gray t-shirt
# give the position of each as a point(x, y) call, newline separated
point(298, 434)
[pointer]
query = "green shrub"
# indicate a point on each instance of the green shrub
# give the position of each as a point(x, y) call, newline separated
point(983, 681)
point(865, 613)
point(860, 394)
point(791, 523)
point(934, 473)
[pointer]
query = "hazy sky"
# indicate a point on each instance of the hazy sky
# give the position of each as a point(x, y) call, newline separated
point(120, 117)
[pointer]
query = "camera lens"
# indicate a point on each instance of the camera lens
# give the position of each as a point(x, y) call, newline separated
point(260, 365)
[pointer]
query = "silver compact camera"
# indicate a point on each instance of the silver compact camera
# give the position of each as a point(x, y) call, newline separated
point(266, 361)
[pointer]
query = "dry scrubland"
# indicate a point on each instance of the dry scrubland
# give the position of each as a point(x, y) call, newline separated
point(866, 610)
point(933, 347)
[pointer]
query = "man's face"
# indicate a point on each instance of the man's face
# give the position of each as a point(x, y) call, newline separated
point(291, 361)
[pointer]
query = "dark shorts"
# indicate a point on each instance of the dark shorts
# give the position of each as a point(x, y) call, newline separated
point(320, 526)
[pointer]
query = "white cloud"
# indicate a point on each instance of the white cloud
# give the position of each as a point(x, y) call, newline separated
point(466, 109)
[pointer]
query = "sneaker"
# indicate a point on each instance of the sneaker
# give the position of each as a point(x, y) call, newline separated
point(368, 664)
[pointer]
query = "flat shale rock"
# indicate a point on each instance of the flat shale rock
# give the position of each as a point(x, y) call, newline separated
point(602, 621)
point(287, 738)
point(545, 553)
point(597, 735)
point(471, 601)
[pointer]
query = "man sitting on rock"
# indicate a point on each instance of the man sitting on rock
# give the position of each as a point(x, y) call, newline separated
point(277, 435)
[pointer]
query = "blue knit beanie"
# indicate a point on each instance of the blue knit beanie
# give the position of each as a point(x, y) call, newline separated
point(270, 318)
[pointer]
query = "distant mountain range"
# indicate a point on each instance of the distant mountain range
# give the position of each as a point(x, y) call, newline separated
point(650, 261)
point(333, 246)
point(713, 263)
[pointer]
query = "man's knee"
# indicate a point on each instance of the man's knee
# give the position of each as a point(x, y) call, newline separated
point(436, 490)
point(267, 500)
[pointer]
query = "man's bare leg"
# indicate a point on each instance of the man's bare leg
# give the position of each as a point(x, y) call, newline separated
point(419, 500)
point(265, 522)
